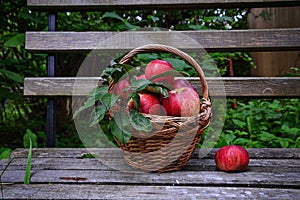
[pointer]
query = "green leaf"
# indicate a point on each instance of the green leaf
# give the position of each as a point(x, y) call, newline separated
point(229, 138)
point(112, 15)
point(87, 104)
point(222, 142)
point(28, 165)
point(5, 154)
point(158, 90)
point(130, 26)
point(98, 114)
point(16, 40)
point(239, 123)
point(109, 100)
point(297, 143)
point(98, 92)
point(139, 121)
point(12, 75)
point(95, 95)
point(283, 143)
point(120, 127)
point(139, 85)
point(29, 138)
point(178, 64)
point(136, 99)
point(242, 141)
point(147, 57)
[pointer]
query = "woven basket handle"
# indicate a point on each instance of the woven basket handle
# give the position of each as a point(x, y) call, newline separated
point(175, 51)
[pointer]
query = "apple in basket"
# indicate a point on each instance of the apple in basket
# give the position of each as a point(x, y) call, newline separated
point(157, 67)
point(182, 102)
point(149, 104)
point(232, 158)
point(178, 83)
point(122, 88)
point(143, 76)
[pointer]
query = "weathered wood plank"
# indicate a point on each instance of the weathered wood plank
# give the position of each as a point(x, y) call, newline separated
point(210, 40)
point(195, 164)
point(91, 191)
point(234, 86)
point(67, 5)
point(259, 153)
point(195, 178)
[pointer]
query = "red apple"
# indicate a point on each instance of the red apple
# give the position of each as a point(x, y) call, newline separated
point(140, 77)
point(149, 104)
point(156, 67)
point(182, 102)
point(178, 83)
point(122, 88)
point(232, 158)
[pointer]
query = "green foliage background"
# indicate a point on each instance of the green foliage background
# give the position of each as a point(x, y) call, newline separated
point(255, 123)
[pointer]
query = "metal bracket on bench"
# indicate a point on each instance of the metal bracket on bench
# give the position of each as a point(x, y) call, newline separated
point(51, 62)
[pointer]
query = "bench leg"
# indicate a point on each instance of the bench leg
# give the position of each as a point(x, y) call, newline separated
point(50, 127)
point(51, 62)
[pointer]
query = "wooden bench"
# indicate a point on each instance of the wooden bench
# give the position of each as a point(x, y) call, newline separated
point(54, 42)
point(59, 173)
point(64, 174)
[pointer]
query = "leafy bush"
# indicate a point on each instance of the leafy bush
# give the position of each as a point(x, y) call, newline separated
point(263, 123)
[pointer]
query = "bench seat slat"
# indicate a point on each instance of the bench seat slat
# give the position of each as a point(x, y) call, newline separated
point(68, 5)
point(210, 40)
point(234, 86)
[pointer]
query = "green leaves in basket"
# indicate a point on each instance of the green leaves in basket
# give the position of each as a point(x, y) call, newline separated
point(140, 122)
point(107, 101)
point(148, 86)
point(120, 127)
point(116, 71)
point(139, 85)
point(136, 99)
point(158, 90)
point(95, 95)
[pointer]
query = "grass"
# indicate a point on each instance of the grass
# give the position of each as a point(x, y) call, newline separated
point(28, 165)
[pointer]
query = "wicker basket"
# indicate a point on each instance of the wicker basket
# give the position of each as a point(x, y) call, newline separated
point(173, 139)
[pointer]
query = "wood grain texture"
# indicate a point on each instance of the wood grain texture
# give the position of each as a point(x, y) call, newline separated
point(210, 40)
point(234, 86)
point(259, 153)
point(61, 174)
point(195, 164)
point(253, 178)
point(66, 5)
point(133, 192)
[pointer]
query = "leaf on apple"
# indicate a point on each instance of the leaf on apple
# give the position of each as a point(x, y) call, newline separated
point(158, 90)
point(166, 73)
point(139, 85)
point(136, 99)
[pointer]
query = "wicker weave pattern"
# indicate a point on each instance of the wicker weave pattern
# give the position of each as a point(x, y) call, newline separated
point(173, 139)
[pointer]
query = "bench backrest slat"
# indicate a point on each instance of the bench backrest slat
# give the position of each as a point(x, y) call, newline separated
point(234, 87)
point(68, 5)
point(212, 40)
